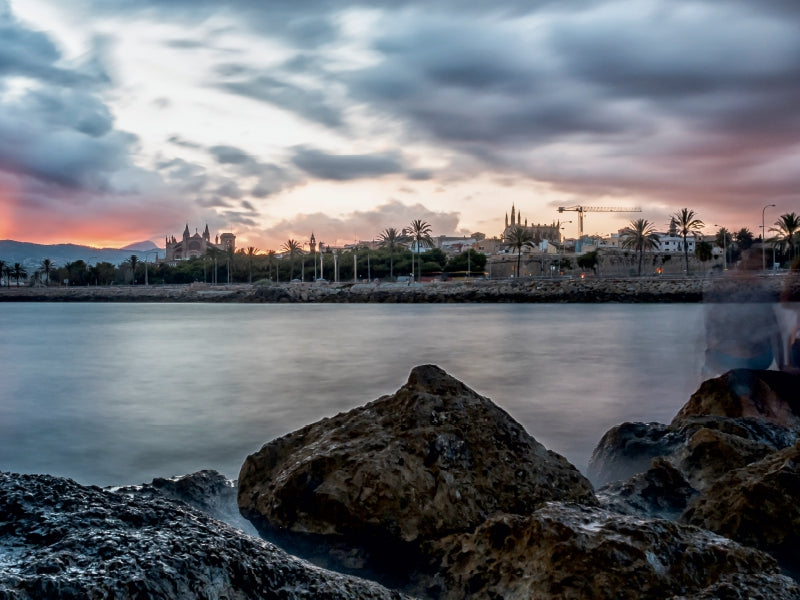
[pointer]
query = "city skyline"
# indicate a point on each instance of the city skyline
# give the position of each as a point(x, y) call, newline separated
point(122, 121)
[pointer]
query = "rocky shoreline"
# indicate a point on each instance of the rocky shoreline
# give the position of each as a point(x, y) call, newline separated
point(589, 290)
point(434, 492)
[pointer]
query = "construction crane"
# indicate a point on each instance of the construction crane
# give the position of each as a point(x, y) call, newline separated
point(584, 209)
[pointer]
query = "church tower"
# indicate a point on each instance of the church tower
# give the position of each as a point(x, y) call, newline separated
point(313, 243)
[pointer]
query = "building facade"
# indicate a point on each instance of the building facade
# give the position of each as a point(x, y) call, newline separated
point(538, 232)
point(193, 246)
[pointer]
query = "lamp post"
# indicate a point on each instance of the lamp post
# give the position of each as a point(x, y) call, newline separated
point(764, 239)
point(355, 265)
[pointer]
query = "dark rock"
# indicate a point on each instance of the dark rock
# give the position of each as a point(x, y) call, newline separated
point(757, 505)
point(629, 448)
point(661, 491)
point(569, 551)
point(60, 540)
point(729, 422)
point(770, 396)
point(374, 483)
point(208, 491)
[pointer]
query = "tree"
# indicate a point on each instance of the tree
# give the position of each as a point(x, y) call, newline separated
point(744, 238)
point(519, 237)
point(588, 260)
point(390, 239)
point(47, 266)
point(7, 273)
point(419, 233)
point(251, 252)
point(640, 235)
point(133, 260)
point(786, 229)
point(293, 249)
point(2, 271)
point(703, 251)
point(687, 224)
point(18, 272)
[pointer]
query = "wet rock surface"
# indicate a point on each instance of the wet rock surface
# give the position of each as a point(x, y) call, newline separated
point(729, 459)
point(208, 491)
point(770, 396)
point(61, 540)
point(376, 482)
point(570, 551)
point(757, 505)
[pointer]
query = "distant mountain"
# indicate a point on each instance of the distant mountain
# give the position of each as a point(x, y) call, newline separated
point(141, 246)
point(31, 255)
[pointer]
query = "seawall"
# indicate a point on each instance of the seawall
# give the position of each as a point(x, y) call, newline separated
point(590, 290)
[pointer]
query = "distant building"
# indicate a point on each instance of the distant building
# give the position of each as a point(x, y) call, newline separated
point(193, 246)
point(538, 232)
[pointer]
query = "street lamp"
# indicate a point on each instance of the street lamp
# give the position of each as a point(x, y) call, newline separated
point(764, 239)
point(355, 265)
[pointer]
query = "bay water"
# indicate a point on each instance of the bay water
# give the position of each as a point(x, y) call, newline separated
point(112, 394)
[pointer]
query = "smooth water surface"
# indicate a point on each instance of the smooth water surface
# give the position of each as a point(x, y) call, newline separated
point(121, 393)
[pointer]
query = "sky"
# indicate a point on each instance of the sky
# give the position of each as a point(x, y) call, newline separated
point(126, 120)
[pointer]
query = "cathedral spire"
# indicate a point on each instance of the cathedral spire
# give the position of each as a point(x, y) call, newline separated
point(513, 215)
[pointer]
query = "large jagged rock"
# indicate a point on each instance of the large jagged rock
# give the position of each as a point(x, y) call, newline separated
point(770, 396)
point(729, 422)
point(207, 490)
point(757, 505)
point(370, 485)
point(568, 551)
point(63, 541)
point(702, 447)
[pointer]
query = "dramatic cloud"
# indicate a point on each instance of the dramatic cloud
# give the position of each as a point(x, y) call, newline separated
point(343, 167)
point(248, 114)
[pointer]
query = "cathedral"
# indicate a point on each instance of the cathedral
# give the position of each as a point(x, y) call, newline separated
point(192, 246)
point(539, 232)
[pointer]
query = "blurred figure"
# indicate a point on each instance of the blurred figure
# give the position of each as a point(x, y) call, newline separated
point(743, 330)
point(790, 306)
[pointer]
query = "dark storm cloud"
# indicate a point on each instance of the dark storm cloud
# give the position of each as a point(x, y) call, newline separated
point(343, 167)
point(56, 130)
point(310, 104)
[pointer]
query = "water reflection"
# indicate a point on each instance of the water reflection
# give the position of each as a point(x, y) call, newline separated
point(112, 393)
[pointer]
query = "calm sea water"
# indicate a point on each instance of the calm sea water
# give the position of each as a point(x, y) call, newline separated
point(121, 393)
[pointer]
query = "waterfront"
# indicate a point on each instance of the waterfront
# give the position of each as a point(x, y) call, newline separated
point(121, 393)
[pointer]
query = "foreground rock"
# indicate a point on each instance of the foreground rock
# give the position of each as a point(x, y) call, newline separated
point(61, 540)
point(581, 552)
point(730, 422)
point(727, 462)
point(757, 505)
point(208, 491)
point(368, 487)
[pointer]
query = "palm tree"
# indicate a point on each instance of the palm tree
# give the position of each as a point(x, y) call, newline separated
point(134, 261)
point(18, 272)
point(292, 248)
point(47, 266)
point(640, 235)
point(391, 238)
point(519, 237)
point(7, 273)
point(419, 232)
point(251, 252)
point(2, 271)
point(270, 262)
point(687, 224)
point(787, 228)
point(744, 238)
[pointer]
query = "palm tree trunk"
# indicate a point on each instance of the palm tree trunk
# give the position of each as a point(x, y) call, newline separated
point(519, 259)
point(686, 253)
